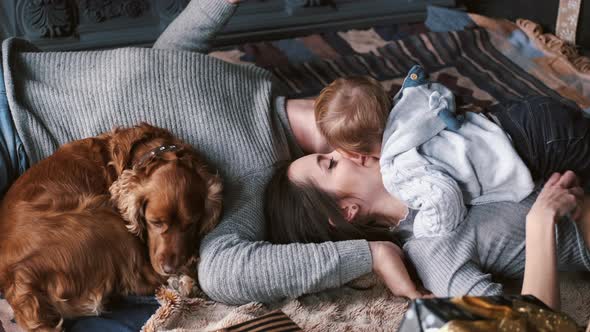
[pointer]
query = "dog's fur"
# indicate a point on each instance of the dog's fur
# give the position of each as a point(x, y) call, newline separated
point(91, 221)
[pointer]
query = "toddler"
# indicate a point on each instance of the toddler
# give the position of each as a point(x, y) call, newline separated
point(433, 160)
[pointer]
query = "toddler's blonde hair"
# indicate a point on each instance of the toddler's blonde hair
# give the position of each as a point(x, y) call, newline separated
point(351, 113)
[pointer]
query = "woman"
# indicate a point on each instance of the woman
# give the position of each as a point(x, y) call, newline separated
point(354, 204)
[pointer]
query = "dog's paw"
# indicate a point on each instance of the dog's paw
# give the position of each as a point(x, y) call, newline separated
point(185, 286)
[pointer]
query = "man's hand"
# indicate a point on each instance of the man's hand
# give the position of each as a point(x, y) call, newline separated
point(388, 264)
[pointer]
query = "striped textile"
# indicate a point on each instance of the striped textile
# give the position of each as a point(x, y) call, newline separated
point(466, 61)
point(275, 321)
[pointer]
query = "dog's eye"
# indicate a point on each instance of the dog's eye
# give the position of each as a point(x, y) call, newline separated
point(157, 224)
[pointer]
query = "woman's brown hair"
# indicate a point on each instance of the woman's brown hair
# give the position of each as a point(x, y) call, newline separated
point(298, 212)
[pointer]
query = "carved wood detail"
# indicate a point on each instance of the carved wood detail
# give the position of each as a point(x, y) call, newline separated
point(48, 18)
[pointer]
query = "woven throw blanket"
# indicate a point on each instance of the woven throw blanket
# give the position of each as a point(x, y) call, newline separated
point(555, 63)
point(496, 61)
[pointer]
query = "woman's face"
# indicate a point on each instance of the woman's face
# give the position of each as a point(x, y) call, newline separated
point(335, 174)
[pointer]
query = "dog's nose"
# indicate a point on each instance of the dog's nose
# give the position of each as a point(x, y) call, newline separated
point(168, 268)
point(169, 263)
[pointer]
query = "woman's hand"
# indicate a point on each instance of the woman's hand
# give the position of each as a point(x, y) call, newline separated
point(388, 264)
point(560, 196)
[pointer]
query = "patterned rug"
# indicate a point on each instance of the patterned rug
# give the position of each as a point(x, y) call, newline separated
point(496, 61)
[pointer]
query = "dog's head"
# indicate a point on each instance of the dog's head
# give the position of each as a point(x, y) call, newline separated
point(170, 199)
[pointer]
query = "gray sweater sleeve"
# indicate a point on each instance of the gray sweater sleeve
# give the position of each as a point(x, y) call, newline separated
point(196, 26)
point(448, 265)
point(237, 266)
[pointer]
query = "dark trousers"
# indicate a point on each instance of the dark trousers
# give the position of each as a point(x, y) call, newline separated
point(549, 135)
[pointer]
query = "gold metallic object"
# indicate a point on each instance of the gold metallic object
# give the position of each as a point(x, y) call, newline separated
point(522, 316)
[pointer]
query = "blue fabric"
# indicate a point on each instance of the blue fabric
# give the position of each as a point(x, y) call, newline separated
point(524, 44)
point(439, 19)
point(126, 315)
point(452, 120)
point(13, 160)
point(416, 77)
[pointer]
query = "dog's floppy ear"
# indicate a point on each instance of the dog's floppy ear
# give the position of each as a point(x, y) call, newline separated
point(125, 140)
point(127, 197)
point(213, 205)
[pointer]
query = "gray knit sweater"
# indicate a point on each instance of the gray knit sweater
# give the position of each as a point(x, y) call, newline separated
point(231, 114)
point(489, 243)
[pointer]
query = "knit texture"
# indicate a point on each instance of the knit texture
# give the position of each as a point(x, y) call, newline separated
point(437, 165)
point(490, 242)
point(225, 110)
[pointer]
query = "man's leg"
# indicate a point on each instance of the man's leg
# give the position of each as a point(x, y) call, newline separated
point(126, 315)
point(549, 135)
point(584, 221)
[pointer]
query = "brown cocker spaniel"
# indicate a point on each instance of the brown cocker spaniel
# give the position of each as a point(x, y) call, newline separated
point(109, 215)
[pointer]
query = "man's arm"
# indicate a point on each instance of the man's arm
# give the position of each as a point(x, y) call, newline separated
point(238, 266)
point(197, 25)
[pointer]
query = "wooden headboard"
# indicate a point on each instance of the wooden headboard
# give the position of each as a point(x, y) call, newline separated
point(91, 24)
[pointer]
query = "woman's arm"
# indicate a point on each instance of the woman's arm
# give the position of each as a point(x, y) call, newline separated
point(559, 197)
point(540, 272)
point(197, 25)
point(389, 265)
point(447, 265)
